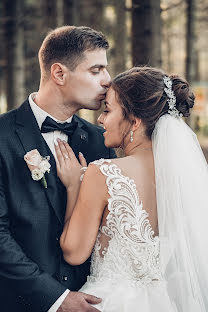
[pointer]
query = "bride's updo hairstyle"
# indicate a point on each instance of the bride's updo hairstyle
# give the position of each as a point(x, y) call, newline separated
point(140, 91)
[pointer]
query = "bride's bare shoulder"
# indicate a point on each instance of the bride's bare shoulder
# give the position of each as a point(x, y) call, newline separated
point(94, 167)
point(117, 161)
point(94, 181)
point(123, 161)
point(131, 164)
point(93, 173)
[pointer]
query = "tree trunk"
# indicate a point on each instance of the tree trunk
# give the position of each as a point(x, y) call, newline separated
point(197, 69)
point(49, 12)
point(14, 52)
point(146, 32)
point(190, 46)
point(42, 16)
point(91, 14)
point(120, 37)
point(71, 12)
point(33, 40)
point(60, 13)
point(191, 41)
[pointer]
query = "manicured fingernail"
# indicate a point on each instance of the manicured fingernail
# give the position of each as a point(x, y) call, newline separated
point(81, 154)
point(55, 142)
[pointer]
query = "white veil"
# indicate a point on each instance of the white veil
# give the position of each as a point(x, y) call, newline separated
point(182, 202)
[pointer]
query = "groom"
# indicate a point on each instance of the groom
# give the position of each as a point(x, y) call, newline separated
point(33, 275)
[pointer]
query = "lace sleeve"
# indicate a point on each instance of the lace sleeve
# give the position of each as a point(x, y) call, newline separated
point(101, 161)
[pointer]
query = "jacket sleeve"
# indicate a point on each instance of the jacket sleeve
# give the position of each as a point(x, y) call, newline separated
point(35, 288)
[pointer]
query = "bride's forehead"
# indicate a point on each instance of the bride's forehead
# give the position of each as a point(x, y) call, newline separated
point(111, 96)
point(112, 101)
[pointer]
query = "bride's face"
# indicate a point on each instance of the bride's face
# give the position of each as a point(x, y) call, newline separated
point(116, 127)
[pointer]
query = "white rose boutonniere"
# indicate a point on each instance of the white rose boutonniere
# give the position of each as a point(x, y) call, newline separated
point(38, 165)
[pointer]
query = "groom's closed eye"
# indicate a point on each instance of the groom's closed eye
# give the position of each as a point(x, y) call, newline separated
point(95, 72)
point(96, 69)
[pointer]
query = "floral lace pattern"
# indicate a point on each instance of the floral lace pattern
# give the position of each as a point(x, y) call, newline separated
point(126, 248)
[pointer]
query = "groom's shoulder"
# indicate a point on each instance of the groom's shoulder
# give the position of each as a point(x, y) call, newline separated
point(8, 119)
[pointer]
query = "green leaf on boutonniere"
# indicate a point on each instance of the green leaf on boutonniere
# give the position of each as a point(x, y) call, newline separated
point(44, 182)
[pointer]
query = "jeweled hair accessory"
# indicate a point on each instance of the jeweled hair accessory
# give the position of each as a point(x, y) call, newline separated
point(173, 111)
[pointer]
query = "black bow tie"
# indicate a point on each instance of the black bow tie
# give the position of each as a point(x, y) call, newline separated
point(50, 125)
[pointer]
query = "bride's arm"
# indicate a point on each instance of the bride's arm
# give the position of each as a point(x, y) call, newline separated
point(84, 210)
point(68, 170)
point(80, 231)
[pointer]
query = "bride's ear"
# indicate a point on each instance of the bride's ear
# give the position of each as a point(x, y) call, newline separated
point(136, 123)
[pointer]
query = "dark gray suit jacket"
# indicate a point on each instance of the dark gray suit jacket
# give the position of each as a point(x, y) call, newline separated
point(33, 273)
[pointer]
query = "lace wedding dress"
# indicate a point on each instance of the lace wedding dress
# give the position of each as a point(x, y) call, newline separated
point(125, 268)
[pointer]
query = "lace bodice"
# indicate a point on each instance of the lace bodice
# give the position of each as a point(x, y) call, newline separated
point(126, 247)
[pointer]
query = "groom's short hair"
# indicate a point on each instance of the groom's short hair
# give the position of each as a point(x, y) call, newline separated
point(67, 45)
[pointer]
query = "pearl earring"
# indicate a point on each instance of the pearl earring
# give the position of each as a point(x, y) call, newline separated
point(131, 136)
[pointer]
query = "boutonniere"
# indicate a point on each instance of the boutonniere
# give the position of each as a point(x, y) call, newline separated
point(38, 165)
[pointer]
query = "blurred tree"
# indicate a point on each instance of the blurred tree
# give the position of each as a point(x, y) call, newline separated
point(191, 61)
point(41, 17)
point(71, 12)
point(120, 37)
point(92, 14)
point(13, 31)
point(201, 46)
point(173, 15)
point(35, 31)
point(59, 6)
point(50, 14)
point(146, 32)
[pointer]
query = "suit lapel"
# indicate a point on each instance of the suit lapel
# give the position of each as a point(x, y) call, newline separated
point(79, 142)
point(31, 138)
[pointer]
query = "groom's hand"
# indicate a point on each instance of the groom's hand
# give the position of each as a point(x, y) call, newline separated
point(79, 302)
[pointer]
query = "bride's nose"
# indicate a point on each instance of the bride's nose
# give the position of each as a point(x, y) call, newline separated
point(100, 119)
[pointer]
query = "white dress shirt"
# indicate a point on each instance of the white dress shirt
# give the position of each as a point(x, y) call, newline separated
point(40, 116)
point(50, 139)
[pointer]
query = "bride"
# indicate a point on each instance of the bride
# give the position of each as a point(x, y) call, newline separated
point(144, 216)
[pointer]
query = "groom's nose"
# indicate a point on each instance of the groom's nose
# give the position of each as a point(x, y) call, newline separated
point(105, 82)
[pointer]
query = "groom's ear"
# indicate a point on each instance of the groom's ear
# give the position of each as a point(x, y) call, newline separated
point(58, 73)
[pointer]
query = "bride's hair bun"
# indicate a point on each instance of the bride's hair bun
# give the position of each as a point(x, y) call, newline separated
point(184, 96)
point(141, 93)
